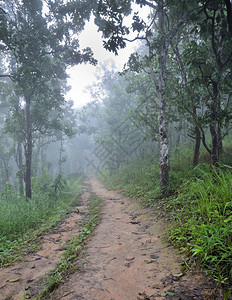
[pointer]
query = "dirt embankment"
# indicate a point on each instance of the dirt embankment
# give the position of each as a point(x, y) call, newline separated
point(126, 258)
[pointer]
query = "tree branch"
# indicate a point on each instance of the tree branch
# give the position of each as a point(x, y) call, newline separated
point(2, 10)
point(134, 39)
point(229, 16)
point(6, 76)
point(204, 141)
point(149, 4)
point(191, 136)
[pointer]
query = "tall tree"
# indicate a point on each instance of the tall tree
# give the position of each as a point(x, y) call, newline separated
point(42, 48)
point(157, 32)
point(207, 59)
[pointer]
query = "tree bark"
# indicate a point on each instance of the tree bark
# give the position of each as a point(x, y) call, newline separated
point(164, 148)
point(197, 146)
point(162, 122)
point(213, 125)
point(220, 145)
point(20, 165)
point(28, 147)
point(160, 84)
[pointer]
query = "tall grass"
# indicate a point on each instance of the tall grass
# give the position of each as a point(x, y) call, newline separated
point(19, 216)
point(140, 178)
point(203, 224)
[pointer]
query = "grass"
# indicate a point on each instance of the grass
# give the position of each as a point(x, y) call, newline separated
point(74, 249)
point(22, 221)
point(140, 179)
point(203, 225)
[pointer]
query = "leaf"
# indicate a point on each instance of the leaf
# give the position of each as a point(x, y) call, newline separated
point(170, 293)
point(15, 279)
point(228, 219)
point(178, 274)
point(149, 261)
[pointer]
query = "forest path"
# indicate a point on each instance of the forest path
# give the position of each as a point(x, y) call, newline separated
point(126, 258)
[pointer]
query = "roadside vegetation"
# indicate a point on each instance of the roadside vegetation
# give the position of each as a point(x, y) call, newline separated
point(197, 207)
point(74, 249)
point(22, 220)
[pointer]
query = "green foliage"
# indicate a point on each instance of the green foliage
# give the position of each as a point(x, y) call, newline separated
point(47, 186)
point(20, 218)
point(140, 179)
point(203, 224)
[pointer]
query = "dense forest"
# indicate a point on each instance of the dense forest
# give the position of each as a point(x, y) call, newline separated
point(159, 130)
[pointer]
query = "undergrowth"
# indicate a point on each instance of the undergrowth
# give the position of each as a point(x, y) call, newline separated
point(74, 249)
point(140, 179)
point(23, 220)
point(203, 224)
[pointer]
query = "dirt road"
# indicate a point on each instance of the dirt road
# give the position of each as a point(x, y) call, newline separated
point(126, 258)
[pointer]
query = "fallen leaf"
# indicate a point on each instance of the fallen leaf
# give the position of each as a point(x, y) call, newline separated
point(149, 261)
point(178, 275)
point(14, 279)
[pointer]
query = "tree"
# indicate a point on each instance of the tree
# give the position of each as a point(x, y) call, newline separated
point(42, 48)
point(157, 33)
point(211, 22)
point(205, 62)
point(214, 26)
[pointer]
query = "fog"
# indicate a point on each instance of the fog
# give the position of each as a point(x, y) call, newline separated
point(65, 108)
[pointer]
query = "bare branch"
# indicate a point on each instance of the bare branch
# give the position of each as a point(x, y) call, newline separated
point(135, 39)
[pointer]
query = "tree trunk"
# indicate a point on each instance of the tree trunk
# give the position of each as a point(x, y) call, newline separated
point(164, 150)
point(6, 170)
point(197, 146)
point(160, 84)
point(220, 149)
point(20, 165)
point(37, 165)
point(178, 139)
point(162, 122)
point(43, 162)
point(61, 153)
point(28, 147)
point(213, 126)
